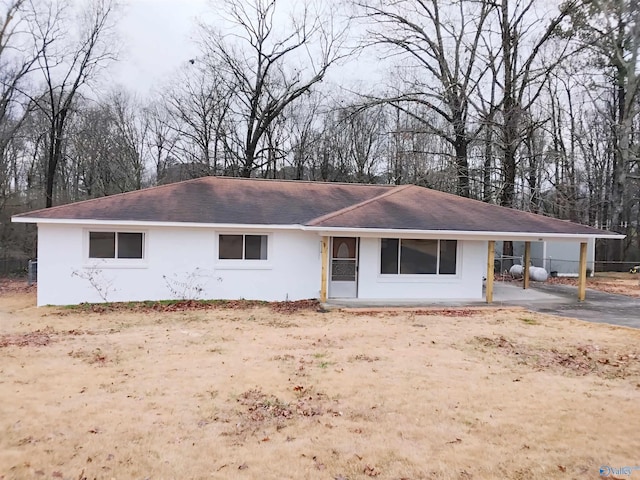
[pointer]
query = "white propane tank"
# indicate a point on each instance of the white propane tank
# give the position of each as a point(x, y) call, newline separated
point(516, 271)
point(538, 274)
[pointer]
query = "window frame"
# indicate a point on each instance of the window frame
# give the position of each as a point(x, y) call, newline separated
point(115, 262)
point(418, 276)
point(244, 263)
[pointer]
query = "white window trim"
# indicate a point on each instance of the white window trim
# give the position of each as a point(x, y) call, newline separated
point(420, 277)
point(115, 262)
point(243, 264)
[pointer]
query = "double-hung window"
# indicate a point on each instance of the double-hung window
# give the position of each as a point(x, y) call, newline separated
point(242, 247)
point(408, 256)
point(125, 245)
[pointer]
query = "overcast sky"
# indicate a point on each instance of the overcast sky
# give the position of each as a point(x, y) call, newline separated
point(156, 37)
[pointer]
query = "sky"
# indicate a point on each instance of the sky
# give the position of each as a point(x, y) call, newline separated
point(156, 40)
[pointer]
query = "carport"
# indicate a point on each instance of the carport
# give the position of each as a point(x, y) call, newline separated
point(582, 270)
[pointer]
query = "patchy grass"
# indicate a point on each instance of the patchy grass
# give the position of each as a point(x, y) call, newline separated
point(568, 359)
point(251, 393)
point(529, 321)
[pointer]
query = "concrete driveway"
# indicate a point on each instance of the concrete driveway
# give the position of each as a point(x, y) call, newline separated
point(561, 300)
point(553, 299)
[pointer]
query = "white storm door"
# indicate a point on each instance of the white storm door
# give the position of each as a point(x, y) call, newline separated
point(343, 279)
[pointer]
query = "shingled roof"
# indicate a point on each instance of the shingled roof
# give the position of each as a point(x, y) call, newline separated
point(220, 200)
point(223, 200)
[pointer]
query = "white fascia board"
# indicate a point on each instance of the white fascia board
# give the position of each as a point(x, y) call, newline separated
point(337, 231)
point(457, 234)
point(135, 223)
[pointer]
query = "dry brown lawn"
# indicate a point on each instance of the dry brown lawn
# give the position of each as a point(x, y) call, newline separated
point(253, 394)
point(610, 282)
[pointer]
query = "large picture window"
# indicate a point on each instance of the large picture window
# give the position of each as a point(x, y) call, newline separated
point(418, 256)
point(116, 245)
point(242, 247)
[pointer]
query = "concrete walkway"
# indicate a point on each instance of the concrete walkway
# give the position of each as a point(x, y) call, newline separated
point(552, 299)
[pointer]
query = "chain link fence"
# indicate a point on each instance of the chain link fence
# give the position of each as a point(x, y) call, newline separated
point(32, 272)
point(561, 266)
point(602, 266)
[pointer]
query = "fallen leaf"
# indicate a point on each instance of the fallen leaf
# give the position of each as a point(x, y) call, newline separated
point(371, 471)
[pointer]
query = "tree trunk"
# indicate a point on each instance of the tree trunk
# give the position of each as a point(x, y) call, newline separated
point(509, 114)
point(461, 147)
point(487, 190)
point(54, 156)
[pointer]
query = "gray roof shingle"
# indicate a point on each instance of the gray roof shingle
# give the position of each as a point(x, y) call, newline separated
point(223, 200)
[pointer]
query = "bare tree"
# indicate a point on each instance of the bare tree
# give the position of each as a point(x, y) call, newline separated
point(106, 148)
point(198, 106)
point(161, 140)
point(18, 58)
point(303, 136)
point(441, 42)
point(268, 68)
point(67, 64)
point(611, 30)
point(525, 72)
point(130, 129)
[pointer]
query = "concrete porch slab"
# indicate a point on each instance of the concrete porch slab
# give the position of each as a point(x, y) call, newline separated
point(503, 294)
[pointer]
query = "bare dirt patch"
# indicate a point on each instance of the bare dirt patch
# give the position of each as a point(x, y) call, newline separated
point(192, 305)
point(256, 394)
point(12, 286)
point(38, 338)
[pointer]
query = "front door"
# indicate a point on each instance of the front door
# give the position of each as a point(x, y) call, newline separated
point(343, 280)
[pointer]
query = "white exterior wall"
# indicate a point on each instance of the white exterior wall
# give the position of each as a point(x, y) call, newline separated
point(466, 284)
point(183, 263)
point(177, 262)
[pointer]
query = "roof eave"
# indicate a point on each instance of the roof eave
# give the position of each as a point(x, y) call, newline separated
point(146, 224)
point(363, 232)
point(462, 234)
